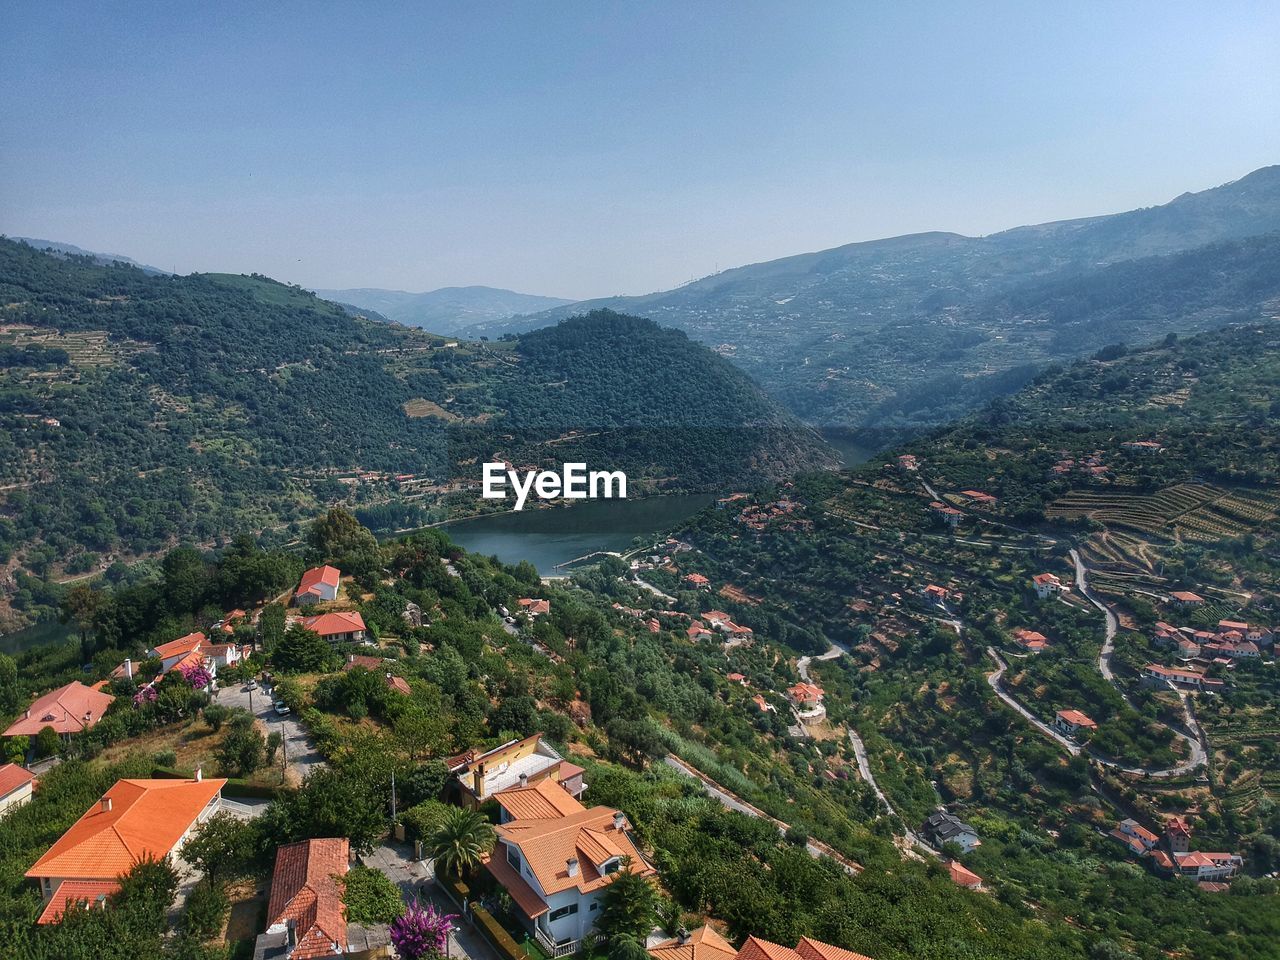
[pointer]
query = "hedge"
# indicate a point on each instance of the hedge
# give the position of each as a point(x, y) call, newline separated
point(490, 928)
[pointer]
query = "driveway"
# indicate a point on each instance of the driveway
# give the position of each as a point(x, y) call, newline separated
point(416, 880)
point(298, 747)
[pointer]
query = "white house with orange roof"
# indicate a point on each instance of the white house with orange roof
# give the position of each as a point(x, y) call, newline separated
point(754, 948)
point(175, 651)
point(317, 584)
point(807, 700)
point(516, 763)
point(557, 863)
point(1047, 584)
point(16, 786)
point(69, 709)
point(344, 626)
point(1030, 640)
point(305, 914)
point(134, 820)
point(1072, 722)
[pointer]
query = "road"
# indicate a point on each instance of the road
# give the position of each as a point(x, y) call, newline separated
point(646, 585)
point(802, 665)
point(910, 839)
point(299, 748)
point(994, 678)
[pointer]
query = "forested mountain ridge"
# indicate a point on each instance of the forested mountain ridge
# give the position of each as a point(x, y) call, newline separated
point(139, 410)
point(842, 336)
point(449, 310)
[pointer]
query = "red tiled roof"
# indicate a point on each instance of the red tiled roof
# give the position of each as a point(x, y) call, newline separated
point(76, 891)
point(1076, 718)
point(805, 693)
point(962, 875)
point(13, 776)
point(757, 949)
point(702, 944)
point(525, 896)
point(314, 578)
point(398, 684)
point(146, 818)
point(588, 835)
point(68, 709)
point(812, 949)
point(544, 800)
point(180, 646)
point(329, 624)
point(305, 889)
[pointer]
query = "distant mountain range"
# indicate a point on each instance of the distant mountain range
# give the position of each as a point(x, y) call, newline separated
point(448, 310)
point(912, 331)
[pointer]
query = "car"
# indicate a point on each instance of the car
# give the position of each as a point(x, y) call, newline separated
point(282, 708)
point(251, 685)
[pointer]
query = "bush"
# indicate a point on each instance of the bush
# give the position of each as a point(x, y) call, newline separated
point(207, 909)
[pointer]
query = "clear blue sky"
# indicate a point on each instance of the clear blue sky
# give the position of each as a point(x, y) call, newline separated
point(590, 148)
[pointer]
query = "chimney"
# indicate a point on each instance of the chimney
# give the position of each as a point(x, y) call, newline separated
point(106, 804)
point(351, 658)
point(571, 865)
point(619, 820)
point(477, 781)
point(101, 901)
point(682, 935)
point(128, 668)
point(524, 779)
point(199, 774)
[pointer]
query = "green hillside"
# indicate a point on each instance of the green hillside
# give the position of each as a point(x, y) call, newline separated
point(139, 410)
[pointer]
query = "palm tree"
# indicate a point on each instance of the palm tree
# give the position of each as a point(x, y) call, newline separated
point(460, 841)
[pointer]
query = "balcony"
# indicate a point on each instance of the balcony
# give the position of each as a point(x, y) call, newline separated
point(555, 950)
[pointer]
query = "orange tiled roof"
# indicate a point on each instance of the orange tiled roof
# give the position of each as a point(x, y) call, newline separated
point(75, 891)
point(544, 800)
point(328, 624)
point(756, 949)
point(13, 776)
point(68, 709)
point(1076, 718)
point(305, 889)
point(180, 646)
point(315, 577)
point(589, 835)
point(962, 875)
point(525, 896)
point(805, 693)
point(703, 944)
point(812, 949)
point(147, 818)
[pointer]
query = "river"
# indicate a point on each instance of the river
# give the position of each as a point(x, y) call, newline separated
point(555, 535)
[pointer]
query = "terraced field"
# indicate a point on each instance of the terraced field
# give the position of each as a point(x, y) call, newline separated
point(1185, 512)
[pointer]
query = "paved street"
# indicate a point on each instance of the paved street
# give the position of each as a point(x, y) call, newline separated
point(416, 880)
point(298, 746)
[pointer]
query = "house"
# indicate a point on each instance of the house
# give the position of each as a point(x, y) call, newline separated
point(543, 800)
point(701, 944)
point(1142, 446)
point(1073, 721)
point(176, 651)
point(1186, 600)
point(345, 626)
point(555, 869)
point(763, 705)
point(1207, 866)
point(962, 876)
point(950, 515)
point(16, 786)
point(946, 828)
point(318, 583)
point(305, 915)
point(807, 699)
point(1156, 674)
point(936, 594)
point(1136, 837)
point(1188, 649)
point(517, 763)
point(908, 461)
point(222, 654)
point(697, 631)
point(737, 678)
point(1177, 834)
point(697, 581)
point(69, 709)
point(1047, 584)
point(135, 819)
point(979, 499)
point(532, 607)
point(807, 949)
point(1030, 640)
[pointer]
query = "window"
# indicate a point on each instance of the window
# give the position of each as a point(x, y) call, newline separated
point(513, 857)
point(611, 866)
point(568, 911)
point(595, 905)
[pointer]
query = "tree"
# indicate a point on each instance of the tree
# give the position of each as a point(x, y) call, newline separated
point(339, 538)
point(418, 731)
point(460, 841)
point(302, 651)
point(271, 626)
point(215, 715)
point(80, 607)
point(425, 782)
point(626, 946)
point(242, 750)
point(222, 848)
point(370, 897)
point(330, 803)
point(274, 740)
point(16, 748)
point(629, 905)
point(47, 741)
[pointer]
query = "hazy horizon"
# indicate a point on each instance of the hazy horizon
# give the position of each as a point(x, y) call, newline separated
point(587, 150)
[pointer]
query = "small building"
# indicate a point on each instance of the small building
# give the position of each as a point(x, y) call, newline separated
point(1159, 675)
point(945, 828)
point(1073, 721)
point(1186, 600)
point(1136, 837)
point(948, 514)
point(962, 876)
point(977, 498)
point(1177, 834)
point(935, 594)
point(1207, 866)
point(1030, 640)
point(1048, 584)
point(697, 581)
point(346, 626)
point(533, 607)
point(755, 948)
point(317, 584)
point(133, 820)
point(517, 763)
point(16, 786)
point(305, 915)
point(69, 709)
point(807, 700)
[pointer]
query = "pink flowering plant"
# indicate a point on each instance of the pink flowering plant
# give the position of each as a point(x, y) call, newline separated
point(197, 675)
point(421, 932)
point(144, 696)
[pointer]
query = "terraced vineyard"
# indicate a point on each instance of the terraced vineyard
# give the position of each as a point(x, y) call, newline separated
point(1185, 512)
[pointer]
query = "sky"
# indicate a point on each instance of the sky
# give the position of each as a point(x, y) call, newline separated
point(583, 149)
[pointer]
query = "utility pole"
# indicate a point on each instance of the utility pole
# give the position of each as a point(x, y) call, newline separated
point(393, 795)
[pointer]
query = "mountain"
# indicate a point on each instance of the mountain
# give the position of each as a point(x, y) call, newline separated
point(140, 410)
point(448, 310)
point(104, 259)
point(855, 335)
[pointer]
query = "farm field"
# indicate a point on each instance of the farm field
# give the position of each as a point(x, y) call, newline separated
point(1182, 513)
